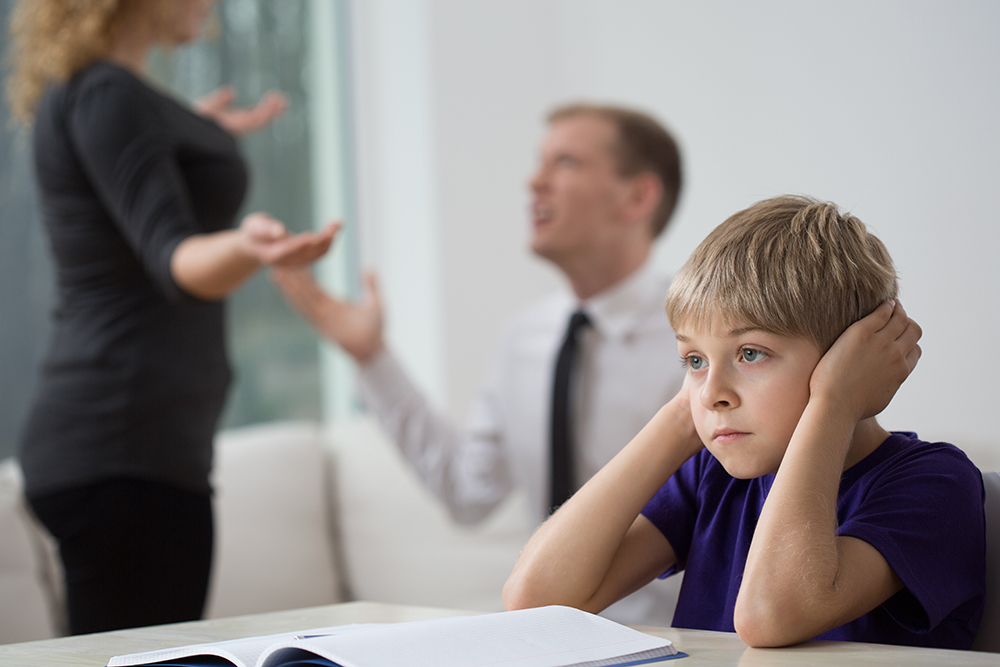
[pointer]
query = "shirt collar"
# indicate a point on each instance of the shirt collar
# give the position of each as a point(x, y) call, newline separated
point(618, 310)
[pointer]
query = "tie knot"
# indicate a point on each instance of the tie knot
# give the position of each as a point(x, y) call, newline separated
point(577, 322)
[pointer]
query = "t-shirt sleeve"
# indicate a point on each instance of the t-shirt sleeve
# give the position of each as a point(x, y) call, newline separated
point(122, 143)
point(925, 516)
point(674, 509)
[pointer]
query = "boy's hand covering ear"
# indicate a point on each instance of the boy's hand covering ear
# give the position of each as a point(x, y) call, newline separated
point(868, 363)
point(682, 410)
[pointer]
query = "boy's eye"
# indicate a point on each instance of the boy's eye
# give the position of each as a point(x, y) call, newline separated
point(694, 362)
point(751, 355)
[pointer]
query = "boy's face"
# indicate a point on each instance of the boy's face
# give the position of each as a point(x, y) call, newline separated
point(748, 388)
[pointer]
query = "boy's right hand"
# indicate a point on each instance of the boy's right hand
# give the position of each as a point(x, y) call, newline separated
point(866, 366)
point(675, 417)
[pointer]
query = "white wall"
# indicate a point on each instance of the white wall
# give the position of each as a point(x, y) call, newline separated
point(888, 108)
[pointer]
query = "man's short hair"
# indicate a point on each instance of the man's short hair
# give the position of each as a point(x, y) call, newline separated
point(643, 145)
point(790, 265)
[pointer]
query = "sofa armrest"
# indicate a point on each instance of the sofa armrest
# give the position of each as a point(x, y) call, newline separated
point(398, 543)
point(274, 540)
point(30, 579)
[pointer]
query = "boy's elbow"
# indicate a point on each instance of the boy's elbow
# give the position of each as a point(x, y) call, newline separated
point(525, 590)
point(517, 594)
point(763, 624)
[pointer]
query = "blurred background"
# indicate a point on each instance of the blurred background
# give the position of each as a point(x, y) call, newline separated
point(256, 46)
point(418, 122)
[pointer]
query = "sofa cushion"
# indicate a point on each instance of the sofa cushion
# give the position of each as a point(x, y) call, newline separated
point(274, 545)
point(399, 544)
point(28, 589)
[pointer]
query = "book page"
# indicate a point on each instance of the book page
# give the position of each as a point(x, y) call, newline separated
point(240, 652)
point(542, 637)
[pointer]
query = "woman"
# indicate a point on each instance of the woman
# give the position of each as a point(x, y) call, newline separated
point(138, 195)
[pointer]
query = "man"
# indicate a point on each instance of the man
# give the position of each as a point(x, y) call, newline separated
point(605, 188)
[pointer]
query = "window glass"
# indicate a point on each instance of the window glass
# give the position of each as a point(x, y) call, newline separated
point(255, 45)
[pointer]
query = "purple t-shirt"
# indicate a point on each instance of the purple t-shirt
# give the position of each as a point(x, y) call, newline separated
point(919, 504)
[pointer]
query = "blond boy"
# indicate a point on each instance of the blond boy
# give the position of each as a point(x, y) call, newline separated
point(767, 479)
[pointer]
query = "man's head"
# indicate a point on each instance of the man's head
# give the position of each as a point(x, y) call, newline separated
point(604, 173)
point(789, 265)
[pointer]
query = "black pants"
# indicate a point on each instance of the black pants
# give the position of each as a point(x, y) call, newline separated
point(135, 552)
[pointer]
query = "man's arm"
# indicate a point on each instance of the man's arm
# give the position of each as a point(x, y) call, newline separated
point(801, 579)
point(597, 548)
point(355, 327)
point(468, 469)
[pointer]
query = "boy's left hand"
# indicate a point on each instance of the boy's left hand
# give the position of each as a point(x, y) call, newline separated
point(869, 362)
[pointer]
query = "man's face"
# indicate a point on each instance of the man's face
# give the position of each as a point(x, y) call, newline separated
point(748, 389)
point(578, 196)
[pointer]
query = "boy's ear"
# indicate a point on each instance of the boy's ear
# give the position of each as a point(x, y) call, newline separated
point(644, 195)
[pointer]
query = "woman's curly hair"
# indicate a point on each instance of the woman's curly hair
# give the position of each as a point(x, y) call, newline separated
point(51, 40)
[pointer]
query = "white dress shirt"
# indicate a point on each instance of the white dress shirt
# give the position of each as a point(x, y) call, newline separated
point(626, 369)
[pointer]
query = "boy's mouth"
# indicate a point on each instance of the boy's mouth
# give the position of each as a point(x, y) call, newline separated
point(724, 435)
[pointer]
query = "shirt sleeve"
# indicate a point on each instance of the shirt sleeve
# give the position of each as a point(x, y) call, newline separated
point(125, 149)
point(467, 470)
point(925, 516)
point(674, 509)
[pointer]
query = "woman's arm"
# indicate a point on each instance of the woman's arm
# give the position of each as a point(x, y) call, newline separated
point(597, 548)
point(801, 579)
point(219, 106)
point(211, 266)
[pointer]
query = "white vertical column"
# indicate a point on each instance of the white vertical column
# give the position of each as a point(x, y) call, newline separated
point(331, 165)
point(398, 204)
point(390, 92)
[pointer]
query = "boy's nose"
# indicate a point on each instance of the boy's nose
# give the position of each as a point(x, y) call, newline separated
point(717, 393)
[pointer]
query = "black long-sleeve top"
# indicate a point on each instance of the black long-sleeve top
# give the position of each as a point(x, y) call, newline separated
point(137, 372)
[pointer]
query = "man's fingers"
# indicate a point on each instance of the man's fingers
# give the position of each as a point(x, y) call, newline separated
point(331, 229)
point(371, 289)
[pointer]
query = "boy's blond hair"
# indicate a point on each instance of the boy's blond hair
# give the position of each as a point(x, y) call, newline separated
point(791, 265)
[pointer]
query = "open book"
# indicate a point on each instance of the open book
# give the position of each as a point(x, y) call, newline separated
point(542, 637)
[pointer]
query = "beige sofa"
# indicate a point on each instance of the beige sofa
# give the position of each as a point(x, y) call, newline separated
point(305, 516)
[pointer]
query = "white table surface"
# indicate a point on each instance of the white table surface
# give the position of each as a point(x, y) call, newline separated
point(702, 647)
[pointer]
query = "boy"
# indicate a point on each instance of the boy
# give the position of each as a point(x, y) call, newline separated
point(792, 512)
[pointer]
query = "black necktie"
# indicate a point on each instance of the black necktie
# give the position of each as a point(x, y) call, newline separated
point(562, 444)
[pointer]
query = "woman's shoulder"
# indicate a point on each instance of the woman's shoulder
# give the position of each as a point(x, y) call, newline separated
point(107, 79)
point(103, 94)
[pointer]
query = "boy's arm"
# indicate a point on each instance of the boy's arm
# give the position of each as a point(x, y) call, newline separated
point(801, 579)
point(598, 548)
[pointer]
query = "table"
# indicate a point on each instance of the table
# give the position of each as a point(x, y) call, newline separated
point(702, 647)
